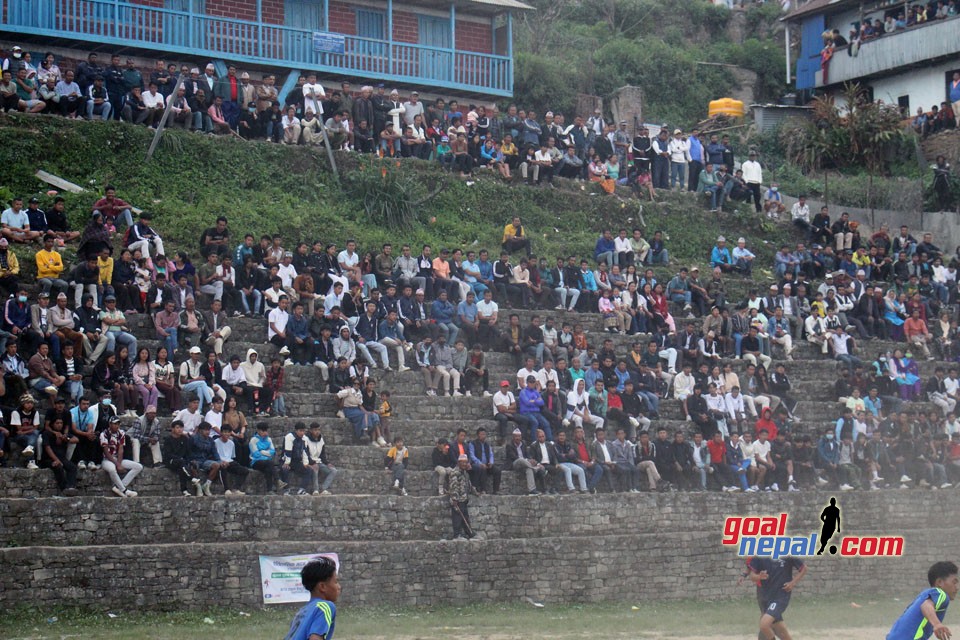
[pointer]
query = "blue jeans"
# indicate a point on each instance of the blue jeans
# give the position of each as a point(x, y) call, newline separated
point(538, 421)
point(607, 256)
point(105, 110)
point(329, 473)
point(27, 439)
point(127, 217)
point(683, 299)
point(737, 339)
point(124, 339)
point(361, 420)
point(170, 342)
point(75, 389)
point(200, 389)
point(257, 298)
point(663, 257)
point(593, 476)
point(713, 189)
point(449, 330)
point(677, 173)
point(651, 399)
point(396, 147)
point(740, 471)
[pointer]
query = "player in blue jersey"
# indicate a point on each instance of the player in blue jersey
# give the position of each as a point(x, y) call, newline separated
point(924, 616)
point(317, 619)
point(775, 582)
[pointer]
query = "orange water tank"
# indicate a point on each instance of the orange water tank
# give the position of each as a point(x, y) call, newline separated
point(727, 107)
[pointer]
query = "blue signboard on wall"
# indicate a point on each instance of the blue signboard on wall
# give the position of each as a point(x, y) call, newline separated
point(324, 42)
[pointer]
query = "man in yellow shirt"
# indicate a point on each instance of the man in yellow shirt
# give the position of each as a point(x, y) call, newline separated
point(515, 237)
point(49, 267)
point(9, 268)
point(105, 265)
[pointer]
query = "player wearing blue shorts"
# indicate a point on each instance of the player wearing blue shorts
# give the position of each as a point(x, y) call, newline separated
point(317, 619)
point(775, 582)
point(924, 616)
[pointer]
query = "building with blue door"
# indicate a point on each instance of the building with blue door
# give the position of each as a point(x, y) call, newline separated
point(910, 66)
point(444, 45)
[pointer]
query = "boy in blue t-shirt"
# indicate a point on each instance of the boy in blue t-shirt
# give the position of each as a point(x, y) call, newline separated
point(317, 619)
point(924, 616)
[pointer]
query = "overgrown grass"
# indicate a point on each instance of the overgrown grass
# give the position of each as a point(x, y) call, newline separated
point(265, 188)
point(730, 618)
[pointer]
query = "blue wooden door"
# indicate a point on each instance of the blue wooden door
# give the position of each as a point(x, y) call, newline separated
point(186, 29)
point(811, 42)
point(369, 51)
point(435, 32)
point(307, 17)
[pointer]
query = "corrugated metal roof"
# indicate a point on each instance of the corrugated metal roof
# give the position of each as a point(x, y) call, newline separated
point(505, 4)
point(816, 6)
point(484, 7)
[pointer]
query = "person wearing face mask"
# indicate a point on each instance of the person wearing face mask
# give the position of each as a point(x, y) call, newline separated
point(249, 124)
point(773, 205)
point(828, 459)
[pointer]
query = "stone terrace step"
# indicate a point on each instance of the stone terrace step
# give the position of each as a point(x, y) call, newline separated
point(149, 520)
point(22, 483)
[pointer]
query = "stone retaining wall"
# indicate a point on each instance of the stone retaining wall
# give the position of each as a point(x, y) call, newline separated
point(598, 550)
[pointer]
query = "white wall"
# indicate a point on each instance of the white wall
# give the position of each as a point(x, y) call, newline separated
point(925, 86)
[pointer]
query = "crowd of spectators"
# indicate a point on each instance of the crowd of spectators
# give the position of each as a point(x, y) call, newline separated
point(346, 314)
point(516, 144)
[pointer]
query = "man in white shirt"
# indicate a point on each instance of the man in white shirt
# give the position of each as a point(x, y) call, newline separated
point(412, 108)
point(529, 369)
point(214, 416)
point(277, 323)
point(753, 176)
point(800, 214)
point(623, 249)
point(487, 314)
point(153, 101)
point(190, 417)
point(679, 150)
point(547, 374)
point(287, 274)
point(736, 404)
point(683, 387)
point(543, 167)
point(313, 95)
point(762, 461)
point(349, 261)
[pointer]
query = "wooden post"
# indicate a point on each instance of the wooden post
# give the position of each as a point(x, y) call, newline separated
point(259, 30)
point(163, 120)
point(390, 69)
point(453, 42)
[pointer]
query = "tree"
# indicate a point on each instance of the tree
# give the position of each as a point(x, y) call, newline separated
point(857, 133)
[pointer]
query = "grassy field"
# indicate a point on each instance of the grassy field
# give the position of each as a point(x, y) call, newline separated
point(852, 618)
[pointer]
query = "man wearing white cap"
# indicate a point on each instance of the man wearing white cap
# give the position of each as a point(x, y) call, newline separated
point(460, 490)
point(679, 149)
point(209, 80)
point(519, 459)
point(146, 431)
point(192, 380)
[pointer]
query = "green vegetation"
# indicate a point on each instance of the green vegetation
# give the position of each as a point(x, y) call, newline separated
point(265, 188)
point(597, 47)
point(808, 617)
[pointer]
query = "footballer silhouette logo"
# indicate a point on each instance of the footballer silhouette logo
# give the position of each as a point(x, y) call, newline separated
point(830, 517)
